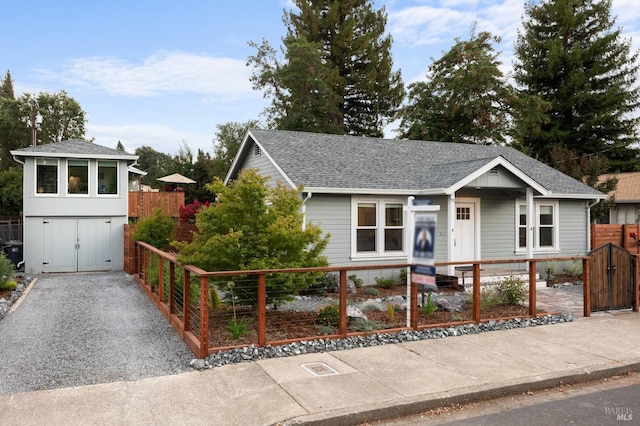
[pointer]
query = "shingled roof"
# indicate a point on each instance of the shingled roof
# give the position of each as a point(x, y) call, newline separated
point(336, 162)
point(73, 148)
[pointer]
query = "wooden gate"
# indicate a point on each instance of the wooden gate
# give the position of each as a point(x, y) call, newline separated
point(612, 275)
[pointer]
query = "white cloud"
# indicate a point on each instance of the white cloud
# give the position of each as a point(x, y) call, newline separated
point(162, 73)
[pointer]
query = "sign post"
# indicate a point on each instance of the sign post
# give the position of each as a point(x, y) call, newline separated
point(421, 225)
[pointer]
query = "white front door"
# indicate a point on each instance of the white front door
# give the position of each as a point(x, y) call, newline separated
point(465, 231)
point(76, 244)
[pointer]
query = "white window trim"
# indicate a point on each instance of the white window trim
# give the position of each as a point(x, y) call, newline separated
point(117, 193)
point(66, 179)
point(537, 203)
point(35, 179)
point(380, 254)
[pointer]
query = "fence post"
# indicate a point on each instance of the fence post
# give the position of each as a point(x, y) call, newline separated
point(476, 292)
point(413, 300)
point(262, 309)
point(532, 288)
point(342, 326)
point(636, 284)
point(172, 288)
point(186, 300)
point(160, 278)
point(586, 286)
point(204, 317)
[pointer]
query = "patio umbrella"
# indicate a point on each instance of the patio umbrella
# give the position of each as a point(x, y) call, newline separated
point(176, 178)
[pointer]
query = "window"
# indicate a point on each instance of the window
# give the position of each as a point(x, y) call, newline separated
point(545, 225)
point(107, 177)
point(46, 176)
point(379, 227)
point(78, 177)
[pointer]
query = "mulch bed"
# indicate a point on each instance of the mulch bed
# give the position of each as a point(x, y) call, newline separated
point(283, 325)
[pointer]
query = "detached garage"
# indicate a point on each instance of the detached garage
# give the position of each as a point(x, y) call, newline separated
point(75, 206)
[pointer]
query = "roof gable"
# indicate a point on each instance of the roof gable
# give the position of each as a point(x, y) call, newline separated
point(351, 164)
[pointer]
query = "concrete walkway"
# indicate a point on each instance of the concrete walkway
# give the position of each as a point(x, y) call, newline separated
point(354, 386)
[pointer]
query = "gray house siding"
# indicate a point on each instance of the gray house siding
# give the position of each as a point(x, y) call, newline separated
point(333, 214)
point(497, 229)
point(266, 167)
point(573, 225)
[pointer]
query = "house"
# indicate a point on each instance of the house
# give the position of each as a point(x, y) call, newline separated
point(495, 202)
point(75, 206)
point(627, 198)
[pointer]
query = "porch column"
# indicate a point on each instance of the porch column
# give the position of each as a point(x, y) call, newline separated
point(530, 221)
point(451, 227)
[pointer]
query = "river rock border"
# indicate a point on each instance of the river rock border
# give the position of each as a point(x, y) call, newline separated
point(254, 353)
point(5, 304)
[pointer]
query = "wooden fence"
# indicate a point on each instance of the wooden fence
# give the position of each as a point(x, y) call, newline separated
point(621, 235)
point(142, 204)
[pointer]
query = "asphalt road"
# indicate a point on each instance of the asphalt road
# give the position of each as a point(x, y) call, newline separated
point(81, 329)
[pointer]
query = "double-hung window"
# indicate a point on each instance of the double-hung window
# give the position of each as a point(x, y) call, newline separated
point(545, 226)
point(46, 176)
point(379, 228)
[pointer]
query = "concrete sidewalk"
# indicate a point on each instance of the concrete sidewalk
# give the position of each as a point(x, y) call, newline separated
point(353, 386)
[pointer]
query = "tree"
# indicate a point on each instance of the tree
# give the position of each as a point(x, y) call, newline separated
point(203, 175)
point(226, 144)
point(11, 191)
point(465, 99)
point(337, 72)
point(241, 230)
point(156, 164)
point(588, 169)
point(120, 147)
point(14, 133)
point(61, 117)
point(570, 55)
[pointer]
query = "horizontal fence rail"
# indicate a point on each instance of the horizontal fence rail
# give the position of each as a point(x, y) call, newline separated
point(214, 311)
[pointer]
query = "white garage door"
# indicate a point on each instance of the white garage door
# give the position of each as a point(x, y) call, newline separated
point(76, 244)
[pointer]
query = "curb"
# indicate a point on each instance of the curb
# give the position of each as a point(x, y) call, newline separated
point(411, 406)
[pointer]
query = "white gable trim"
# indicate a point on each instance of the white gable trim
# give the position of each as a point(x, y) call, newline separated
point(498, 161)
point(242, 152)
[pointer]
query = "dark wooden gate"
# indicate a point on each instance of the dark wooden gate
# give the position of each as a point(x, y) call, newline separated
point(612, 278)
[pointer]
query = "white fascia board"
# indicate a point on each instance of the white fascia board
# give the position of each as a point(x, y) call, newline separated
point(282, 173)
point(236, 159)
point(131, 157)
point(498, 161)
point(575, 196)
point(364, 191)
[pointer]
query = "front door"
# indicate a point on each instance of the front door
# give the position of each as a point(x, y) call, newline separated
point(465, 232)
point(76, 244)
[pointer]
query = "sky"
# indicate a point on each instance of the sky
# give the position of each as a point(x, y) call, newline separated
point(163, 73)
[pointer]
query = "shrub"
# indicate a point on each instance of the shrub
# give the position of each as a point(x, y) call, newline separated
point(188, 212)
point(489, 297)
point(512, 290)
point(429, 306)
point(371, 305)
point(372, 291)
point(391, 311)
point(237, 328)
point(573, 268)
point(385, 282)
point(403, 275)
point(157, 230)
point(6, 271)
point(329, 315)
point(356, 281)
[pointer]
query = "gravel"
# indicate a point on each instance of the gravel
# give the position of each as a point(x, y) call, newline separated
point(81, 329)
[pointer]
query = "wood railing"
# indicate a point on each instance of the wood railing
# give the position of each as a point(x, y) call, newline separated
point(182, 294)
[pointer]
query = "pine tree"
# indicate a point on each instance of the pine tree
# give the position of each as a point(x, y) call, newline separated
point(337, 76)
point(14, 132)
point(570, 55)
point(465, 98)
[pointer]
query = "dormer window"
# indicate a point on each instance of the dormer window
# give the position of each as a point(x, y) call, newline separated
point(78, 177)
point(46, 176)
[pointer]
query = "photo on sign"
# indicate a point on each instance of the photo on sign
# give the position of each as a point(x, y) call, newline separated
point(424, 240)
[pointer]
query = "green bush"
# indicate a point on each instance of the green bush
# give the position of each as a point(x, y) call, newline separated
point(372, 291)
point(329, 315)
point(489, 297)
point(385, 282)
point(429, 306)
point(158, 230)
point(512, 290)
point(356, 281)
point(6, 272)
point(573, 268)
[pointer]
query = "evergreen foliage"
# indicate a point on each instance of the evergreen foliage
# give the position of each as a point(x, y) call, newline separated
point(157, 230)
point(252, 226)
point(465, 98)
point(11, 191)
point(570, 55)
point(337, 72)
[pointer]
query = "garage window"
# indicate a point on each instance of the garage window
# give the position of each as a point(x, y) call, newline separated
point(78, 177)
point(46, 176)
point(107, 177)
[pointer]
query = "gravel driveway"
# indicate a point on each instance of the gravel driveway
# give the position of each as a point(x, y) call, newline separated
point(80, 329)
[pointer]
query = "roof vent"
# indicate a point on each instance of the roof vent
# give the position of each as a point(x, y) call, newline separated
point(256, 150)
point(494, 171)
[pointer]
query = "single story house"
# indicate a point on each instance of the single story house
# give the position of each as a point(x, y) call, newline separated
point(495, 202)
point(626, 208)
point(75, 206)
